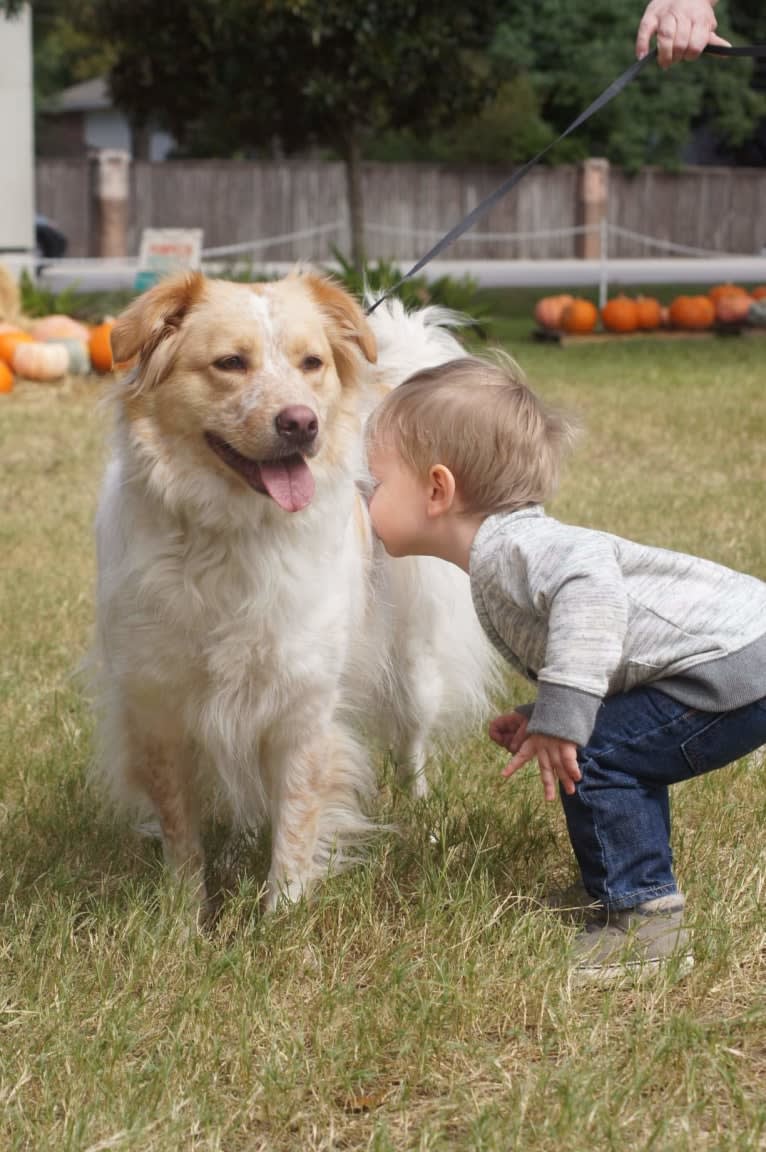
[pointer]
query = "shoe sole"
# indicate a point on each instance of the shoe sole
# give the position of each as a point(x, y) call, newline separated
point(634, 971)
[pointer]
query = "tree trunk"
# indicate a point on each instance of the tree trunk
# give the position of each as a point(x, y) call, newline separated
point(141, 136)
point(353, 162)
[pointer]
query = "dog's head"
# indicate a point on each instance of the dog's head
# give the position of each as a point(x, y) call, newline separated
point(256, 382)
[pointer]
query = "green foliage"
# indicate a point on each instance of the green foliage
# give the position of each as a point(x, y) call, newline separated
point(90, 307)
point(37, 300)
point(460, 295)
point(67, 49)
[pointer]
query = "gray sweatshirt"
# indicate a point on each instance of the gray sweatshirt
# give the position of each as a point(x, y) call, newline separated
point(586, 614)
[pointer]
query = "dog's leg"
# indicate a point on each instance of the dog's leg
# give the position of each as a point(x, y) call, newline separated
point(318, 824)
point(296, 809)
point(411, 762)
point(161, 770)
point(419, 701)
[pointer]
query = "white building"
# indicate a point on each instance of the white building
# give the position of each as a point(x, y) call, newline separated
point(83, 118)
point(17, 177)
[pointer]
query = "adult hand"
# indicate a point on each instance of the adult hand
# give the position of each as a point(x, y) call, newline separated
point(557, 760)
point(683, 28)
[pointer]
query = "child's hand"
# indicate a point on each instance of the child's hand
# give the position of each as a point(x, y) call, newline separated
point(557, 760)
point(509, 731)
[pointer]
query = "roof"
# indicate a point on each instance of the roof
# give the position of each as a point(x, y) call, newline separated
point(85, 97)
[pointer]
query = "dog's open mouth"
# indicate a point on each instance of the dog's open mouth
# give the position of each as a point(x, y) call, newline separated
point(287, 480)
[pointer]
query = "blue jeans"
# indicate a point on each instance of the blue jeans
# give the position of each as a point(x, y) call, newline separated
point(619, 816)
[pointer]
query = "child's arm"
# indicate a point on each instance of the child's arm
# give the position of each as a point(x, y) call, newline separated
point(683, 28)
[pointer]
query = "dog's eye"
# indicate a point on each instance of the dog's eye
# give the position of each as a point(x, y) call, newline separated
point(311, 363)
point(232, 364)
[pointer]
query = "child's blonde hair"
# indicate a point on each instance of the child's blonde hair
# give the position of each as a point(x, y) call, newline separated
point(479, 418)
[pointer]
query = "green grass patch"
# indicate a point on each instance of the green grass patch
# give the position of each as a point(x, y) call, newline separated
point(421, 1001)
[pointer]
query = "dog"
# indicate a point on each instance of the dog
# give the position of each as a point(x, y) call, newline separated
point(253, 641)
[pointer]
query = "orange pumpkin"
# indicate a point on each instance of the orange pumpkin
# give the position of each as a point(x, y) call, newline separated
point(549, 310)
point(759, 293)
point(648, 313)
point(41, 361)
point(57, 327)
point(720, 290)
point(619, 315)
point(733, 307)
point(6, 378)
point(692, 312)
point(100, 346)
point(579, 317)
point(8, 342)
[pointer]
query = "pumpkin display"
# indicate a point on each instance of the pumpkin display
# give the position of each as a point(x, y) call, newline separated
point(9, 341)
point(579, 317)
point(759, 293)
point(619, 315)
point(757, 312)
point(549, 310)
point(79, 356)
point(100, 346)
point(648, 313)
point(719, 290)
point(58, 327)
point(38, 361)
point(6, 378)
point(692, 313)
point(733, 307)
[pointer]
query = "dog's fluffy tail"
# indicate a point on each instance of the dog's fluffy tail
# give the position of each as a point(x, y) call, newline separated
point(411, 341)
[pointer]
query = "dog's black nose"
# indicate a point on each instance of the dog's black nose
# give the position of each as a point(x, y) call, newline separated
point(297, 424)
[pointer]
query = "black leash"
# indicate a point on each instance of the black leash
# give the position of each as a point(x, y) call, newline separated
point(753, 50)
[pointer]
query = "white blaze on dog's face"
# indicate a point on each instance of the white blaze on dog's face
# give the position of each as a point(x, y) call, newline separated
point(257, 382)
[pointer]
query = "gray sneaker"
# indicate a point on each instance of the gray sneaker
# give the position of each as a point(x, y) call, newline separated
point(634, 942)
point(574, 904)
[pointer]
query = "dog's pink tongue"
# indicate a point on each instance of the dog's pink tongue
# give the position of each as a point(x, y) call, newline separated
point(289, 482)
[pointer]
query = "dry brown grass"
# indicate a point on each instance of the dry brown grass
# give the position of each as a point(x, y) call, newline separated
point(421, 1002)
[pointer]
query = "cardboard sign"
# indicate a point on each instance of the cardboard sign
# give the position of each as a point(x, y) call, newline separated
point(164, 251)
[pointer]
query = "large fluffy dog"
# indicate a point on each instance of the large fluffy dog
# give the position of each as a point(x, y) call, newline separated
point(251, 634)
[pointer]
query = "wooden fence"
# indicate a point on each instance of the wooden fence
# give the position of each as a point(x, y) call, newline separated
point(408, 205)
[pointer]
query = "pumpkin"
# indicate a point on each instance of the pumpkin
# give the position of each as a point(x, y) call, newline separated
point(79, 356)
point(692, 312)
point(549, 310)
point(41, 361)
point(720, 290)
point(664, 316)
point(733, 308)
point(59, 328)
point(8, 343)
point(648, 313)
point(759, 293)
point(100, 346)
point(619, 315)
point(6, 378)
point(580, 316)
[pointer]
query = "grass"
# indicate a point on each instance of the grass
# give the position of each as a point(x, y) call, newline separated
point(422, 1001)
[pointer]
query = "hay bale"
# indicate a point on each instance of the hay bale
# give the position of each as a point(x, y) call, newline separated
point(10, 300)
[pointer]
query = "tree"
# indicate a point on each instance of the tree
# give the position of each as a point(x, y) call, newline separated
point(571, 52)
point(332, 73)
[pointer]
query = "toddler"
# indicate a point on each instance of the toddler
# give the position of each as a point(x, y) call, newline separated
point(650, 665)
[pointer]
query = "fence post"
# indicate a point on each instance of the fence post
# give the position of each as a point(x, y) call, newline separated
point(112, 183)
point(592, 206)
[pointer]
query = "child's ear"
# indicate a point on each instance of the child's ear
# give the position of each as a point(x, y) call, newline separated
point(441, 490)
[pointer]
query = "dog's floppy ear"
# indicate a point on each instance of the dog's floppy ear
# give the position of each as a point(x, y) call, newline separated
point(155, 316)
point(347, 322)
